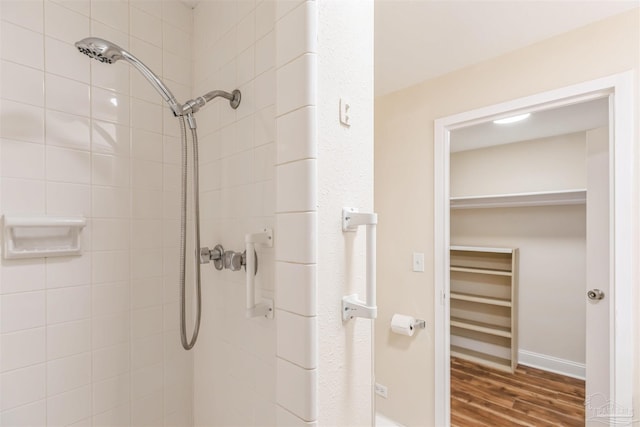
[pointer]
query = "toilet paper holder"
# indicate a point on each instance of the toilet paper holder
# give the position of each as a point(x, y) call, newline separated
point(419, 324)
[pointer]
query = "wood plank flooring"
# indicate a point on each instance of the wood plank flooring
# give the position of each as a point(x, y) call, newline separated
point(482, 396)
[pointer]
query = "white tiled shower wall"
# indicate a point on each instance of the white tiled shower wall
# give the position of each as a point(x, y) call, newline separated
point(93, 340)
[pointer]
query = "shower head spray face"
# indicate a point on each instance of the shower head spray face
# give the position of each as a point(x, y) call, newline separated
point(100, 50)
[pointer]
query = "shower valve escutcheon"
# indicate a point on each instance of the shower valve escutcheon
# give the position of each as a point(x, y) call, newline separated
point(230, 260)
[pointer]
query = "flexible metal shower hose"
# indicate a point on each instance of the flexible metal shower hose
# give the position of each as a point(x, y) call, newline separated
point(188, 344)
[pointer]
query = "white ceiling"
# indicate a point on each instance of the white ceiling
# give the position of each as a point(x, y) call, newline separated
point(558, 121)
point(416, 40)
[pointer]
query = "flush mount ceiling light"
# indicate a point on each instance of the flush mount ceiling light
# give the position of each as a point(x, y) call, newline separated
point(512, 119)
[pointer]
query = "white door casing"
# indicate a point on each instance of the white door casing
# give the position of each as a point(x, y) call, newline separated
point(619, 373)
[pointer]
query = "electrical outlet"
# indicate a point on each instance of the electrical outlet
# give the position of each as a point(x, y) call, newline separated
point(381, 390)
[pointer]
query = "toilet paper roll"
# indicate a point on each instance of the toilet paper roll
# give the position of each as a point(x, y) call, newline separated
point(403, 325)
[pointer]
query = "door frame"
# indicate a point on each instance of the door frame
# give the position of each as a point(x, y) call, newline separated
point(623, 243)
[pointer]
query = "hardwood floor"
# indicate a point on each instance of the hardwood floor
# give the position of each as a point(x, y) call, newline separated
point(482, 396)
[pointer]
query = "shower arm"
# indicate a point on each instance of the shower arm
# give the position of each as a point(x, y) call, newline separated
point(193, 105)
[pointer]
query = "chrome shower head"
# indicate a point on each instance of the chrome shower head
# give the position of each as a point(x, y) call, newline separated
point(100, 50)
point(108, 53)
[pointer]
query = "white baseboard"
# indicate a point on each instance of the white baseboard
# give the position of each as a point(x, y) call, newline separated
point(552, 364)
point(382, 421)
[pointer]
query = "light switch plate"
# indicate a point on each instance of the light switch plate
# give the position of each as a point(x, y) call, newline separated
point(418, 261)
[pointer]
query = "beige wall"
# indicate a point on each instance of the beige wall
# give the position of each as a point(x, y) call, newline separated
point(547, 164)
point(404, 159)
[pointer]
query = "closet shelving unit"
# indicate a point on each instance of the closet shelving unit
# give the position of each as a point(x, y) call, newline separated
point(540, 198)
point(483, 305)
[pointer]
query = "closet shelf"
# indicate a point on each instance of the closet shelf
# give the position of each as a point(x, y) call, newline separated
point(485, 328)
point(481, 300)
point(543, 198)
point(481, 271)
point(482, 358)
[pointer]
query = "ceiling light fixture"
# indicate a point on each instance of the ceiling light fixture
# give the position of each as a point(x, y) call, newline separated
point(512, 119)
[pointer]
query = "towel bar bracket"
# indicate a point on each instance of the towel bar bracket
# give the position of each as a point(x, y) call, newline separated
point(353, 307)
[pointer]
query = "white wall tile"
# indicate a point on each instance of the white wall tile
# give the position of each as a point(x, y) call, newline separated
point(21, 122)
point(110, 330)
point(66, 339)
point(110, 393)
point(120, 38)
point(290, 247)
point(266, 53)
point(146, 116)
point(67, 304)
point(246, 34)
point(147, 410)
point(297, 33)
point(68, 271)
point(297, 135)
point(265, 158)
point(296, 183)
point(110, 298)
point(30, 50)
point(112, 171)
point(27, 14)
point(146, 380)
point(112, 266)
point(146, 175)
point(22, 275)
point(110, 138)
point(69, 407)
point(65, 60)
point(152, 7)
point(23, 348)
point(110, 361)
point(265, 89)
point(67, 130)
point(147, 351)
point(33, 414)
point(297, 339)
point(110, 234)
point(147, 52)
point(110, 202)
point(110, 106)
point(79, 6)
point(22, 159)
point(178, 14)
point(296, 84)
point(22, 196)
point(297, 390)
point(245, 65)
point(146, 321)
point(265, 17)
point(22, 386)
point(69, 96)
point(68, 373)
point(114, 13)
point(69, 199)
point(64, 24)
point(287, 419)
point(116, 417)
point(147, 204)
point(111, 77)
point(68, 165)
point(21, 83)
point(23, 310)
point(296, 288)
point(146, 27)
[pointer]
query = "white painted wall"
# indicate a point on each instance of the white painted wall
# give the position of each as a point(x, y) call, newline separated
point(404, 155)
point(93, 339)
point(548, 164)
point(345, 178)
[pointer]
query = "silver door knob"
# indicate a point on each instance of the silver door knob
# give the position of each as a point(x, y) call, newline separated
point(595, 294)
